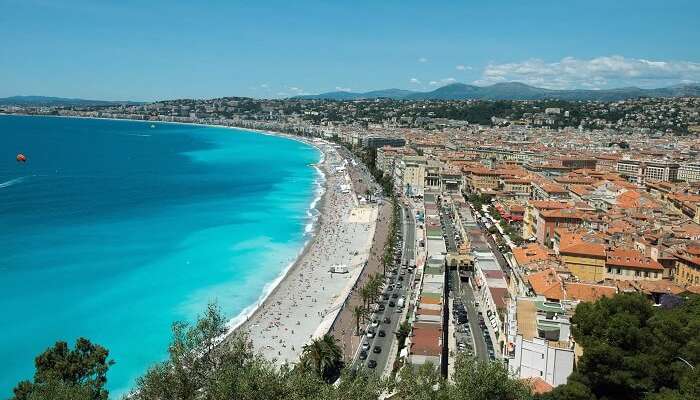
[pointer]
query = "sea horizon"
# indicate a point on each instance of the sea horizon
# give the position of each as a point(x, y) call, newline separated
point(203, 214)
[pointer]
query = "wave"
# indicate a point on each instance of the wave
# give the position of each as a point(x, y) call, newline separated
point(313, 214)
point(12, 182)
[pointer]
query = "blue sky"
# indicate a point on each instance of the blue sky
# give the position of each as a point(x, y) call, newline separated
point(149, 50)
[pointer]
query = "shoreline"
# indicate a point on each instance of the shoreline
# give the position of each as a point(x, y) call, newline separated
point(271, 291)
point(236, 322)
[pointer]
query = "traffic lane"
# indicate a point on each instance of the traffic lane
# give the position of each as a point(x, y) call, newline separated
point(467, 296)
point(449, 232)
point(394, 315)
point(386, 341)
point(410, 235)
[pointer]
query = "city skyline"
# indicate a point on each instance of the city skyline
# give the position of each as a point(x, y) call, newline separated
point(130, 51)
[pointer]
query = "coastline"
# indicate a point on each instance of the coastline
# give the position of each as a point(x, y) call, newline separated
point(306, 301)
point(319, 213)
point(271, 288)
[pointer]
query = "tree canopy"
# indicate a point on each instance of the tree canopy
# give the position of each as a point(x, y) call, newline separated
point(633, 350)
point(64, 373)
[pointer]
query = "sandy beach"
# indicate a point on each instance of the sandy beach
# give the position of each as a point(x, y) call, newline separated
point(306, 302)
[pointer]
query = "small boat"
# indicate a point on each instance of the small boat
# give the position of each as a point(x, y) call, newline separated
point(152, 126)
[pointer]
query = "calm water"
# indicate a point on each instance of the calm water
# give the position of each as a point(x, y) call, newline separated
point(112, 230)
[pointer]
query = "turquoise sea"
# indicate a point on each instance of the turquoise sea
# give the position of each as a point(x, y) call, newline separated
point(112, 230)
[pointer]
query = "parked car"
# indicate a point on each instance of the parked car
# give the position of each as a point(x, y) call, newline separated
point(363, 355)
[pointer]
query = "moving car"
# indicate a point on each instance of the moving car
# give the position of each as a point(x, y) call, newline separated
point(372, 364)
point(377, 349)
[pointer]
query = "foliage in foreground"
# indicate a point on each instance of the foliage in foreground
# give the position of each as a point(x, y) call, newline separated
point(71, 374)
point(632, 351)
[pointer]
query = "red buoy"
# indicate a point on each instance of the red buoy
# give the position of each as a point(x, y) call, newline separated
point(21, 158)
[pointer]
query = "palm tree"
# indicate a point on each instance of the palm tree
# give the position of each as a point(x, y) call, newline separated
point(366, 295)
point(323, 356)
point(358, 312)
point(333, 349)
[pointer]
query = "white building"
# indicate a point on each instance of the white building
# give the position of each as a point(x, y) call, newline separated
point(539, 341)
point(410, 174)
point(689, 172)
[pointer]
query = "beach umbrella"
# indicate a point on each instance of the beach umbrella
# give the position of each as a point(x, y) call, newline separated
point(21, 158)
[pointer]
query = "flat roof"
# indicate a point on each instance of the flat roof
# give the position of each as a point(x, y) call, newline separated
point(426, 339)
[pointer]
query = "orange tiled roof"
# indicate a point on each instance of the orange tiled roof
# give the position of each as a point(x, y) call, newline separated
point(584, 249)
point(531, 253)
point(547, 283)
point(588, 292)
point(548, 204)
point(632, 259)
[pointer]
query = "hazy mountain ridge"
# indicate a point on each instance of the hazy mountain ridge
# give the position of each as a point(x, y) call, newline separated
point(41, 101)
point(512, 91)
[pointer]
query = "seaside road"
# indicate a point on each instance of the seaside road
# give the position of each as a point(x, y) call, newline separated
point(386, 342)
point(394, 315)
point(343, 328)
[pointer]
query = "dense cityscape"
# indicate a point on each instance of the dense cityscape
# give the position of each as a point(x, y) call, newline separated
point(520, 223)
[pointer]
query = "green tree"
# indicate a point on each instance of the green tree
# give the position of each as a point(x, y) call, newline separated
point(632, 350)
point(192, 361)
point(366, 295)
point(359, 313)
point(402, 333)
point(485, 380)
point(63, 373)
point(420, 383)
point(323, 357)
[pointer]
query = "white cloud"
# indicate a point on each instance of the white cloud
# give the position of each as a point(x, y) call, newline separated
point(343, 89)
point(463, 67)
point(442, 82)
point(595, 73)
point(422, 60)
point(415, 81)
point(297, 91)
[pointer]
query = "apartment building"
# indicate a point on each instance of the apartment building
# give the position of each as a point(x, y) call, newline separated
point(539, 341)
point(410, 175)
point(639, 171)
point(689, 172)
point(623, 264)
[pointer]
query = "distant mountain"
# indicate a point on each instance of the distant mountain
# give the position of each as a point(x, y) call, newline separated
point(375, 94)
point(513, 91)
point(43, 101)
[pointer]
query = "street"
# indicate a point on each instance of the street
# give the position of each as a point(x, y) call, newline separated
point(399, 275)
